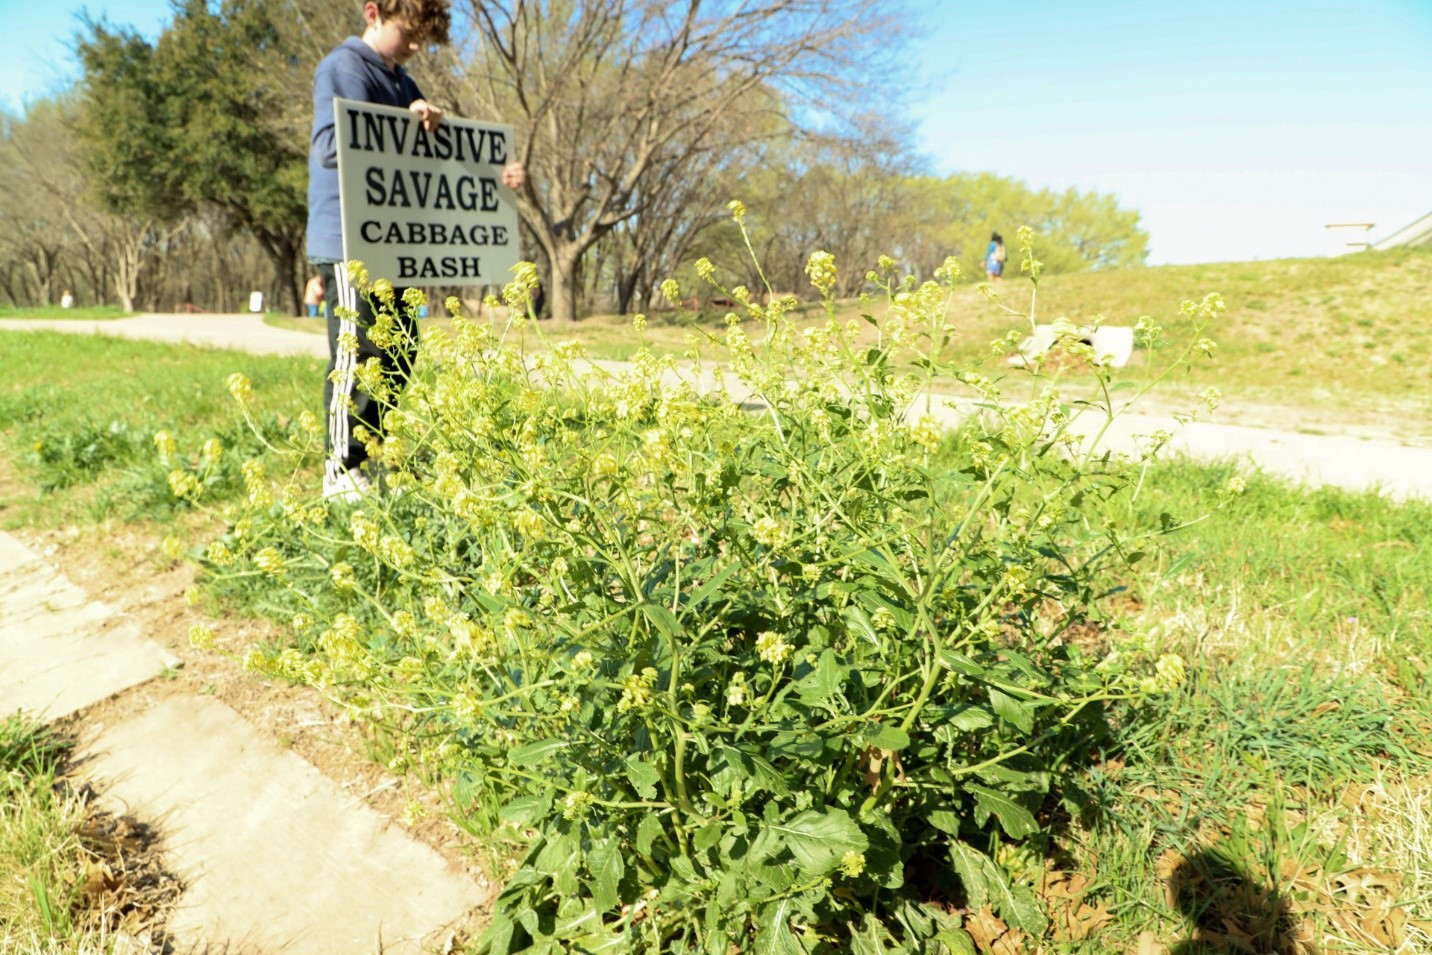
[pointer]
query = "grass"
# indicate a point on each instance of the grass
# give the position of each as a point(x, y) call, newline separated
point(39, 845)
point(89, 312)
point(1280, 797)
point(79, 414)
point(76, 879)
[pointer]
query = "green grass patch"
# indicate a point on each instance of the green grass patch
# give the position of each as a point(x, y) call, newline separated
point(38, 844)
point(74, 879)
point(80, 413)
point(1339, 581)
point(89, 312)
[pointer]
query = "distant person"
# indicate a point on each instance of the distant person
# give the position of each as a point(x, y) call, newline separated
point(313, 296)
point(368, 69)
point(994, 257)
point(67, 300)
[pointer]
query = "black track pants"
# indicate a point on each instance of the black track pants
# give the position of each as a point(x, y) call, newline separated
point(345, 451)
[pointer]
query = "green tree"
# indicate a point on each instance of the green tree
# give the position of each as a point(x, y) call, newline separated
point(1078, 230)
point(205, 116)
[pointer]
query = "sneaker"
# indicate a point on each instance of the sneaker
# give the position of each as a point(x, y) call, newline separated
point(349, 487)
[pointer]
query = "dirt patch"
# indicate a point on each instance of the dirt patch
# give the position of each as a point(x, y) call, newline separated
point(126, 886)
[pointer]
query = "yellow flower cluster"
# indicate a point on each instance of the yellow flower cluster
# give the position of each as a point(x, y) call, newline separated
point(365, 533)
point(636, 690)
point(736, 692)
point(255, 483)
point(344, 580)
point(184, 485)
point(240, 388)
point(772, 647)
point(769, 532)
point(470, 636)
point(927, 433)
point(820, 267)
point(270, 561)
point(396, 552)
point(165, 445)
point(201, 637)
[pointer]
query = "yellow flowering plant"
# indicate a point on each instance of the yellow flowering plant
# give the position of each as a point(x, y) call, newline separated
point(746, 652)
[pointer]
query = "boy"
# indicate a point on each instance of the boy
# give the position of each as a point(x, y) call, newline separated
point(370, 69)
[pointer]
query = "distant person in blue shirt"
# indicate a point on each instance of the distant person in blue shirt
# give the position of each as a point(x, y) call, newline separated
point(995, 256)
point(368, 69)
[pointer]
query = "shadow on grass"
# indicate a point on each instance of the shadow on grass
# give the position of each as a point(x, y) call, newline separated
point(1230, 913)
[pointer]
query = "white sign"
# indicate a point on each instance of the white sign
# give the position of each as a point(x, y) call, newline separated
point(423, 208)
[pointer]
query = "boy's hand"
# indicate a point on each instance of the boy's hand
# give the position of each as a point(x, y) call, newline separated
point(514, 174)
point(429, 114)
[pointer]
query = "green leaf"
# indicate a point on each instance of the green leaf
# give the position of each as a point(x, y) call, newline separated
point(970, 717)
point(777, 878)
point(526, 810)
point(644, 777)
point(663, 619)
point(957, 940)
point(881, 736)
point(870, 938)
point(877, 562)
point(646, 832)
point(775, 936)
point(860, 625)
point(1013, 818)
point(712, 585)
point(986, 884)
point(497, 940)
point(944, 821)
point(604, 862)
point(1011, 710)
point(560, 859)
point(707, 836)
point(1177, 566)
point(530, 755)
point(1017, 777)
point(960, 663)
point(823, 682)
point(817, 839)
point(972, 867)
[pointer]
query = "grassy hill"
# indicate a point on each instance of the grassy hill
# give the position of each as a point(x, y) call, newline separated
point(1306, 343)
point(1350, 335)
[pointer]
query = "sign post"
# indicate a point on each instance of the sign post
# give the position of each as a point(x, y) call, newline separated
point(425, 208)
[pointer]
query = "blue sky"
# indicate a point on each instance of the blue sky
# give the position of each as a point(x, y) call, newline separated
point(1238, 130)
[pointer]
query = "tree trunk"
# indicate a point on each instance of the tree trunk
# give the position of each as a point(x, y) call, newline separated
point(562, 295)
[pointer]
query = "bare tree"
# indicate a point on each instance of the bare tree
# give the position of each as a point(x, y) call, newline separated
point(603, 91)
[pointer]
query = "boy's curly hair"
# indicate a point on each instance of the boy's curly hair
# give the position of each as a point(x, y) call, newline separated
point(429, 19)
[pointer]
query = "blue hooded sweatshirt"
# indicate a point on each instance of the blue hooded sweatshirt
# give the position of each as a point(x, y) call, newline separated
point(352, 71)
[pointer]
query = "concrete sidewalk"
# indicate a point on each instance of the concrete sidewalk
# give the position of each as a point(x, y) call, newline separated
point(274, 856)
point(240, 331)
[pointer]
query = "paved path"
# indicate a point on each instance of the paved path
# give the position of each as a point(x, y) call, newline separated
point(243, 332)
point(275, 856)
point(1396, 470)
